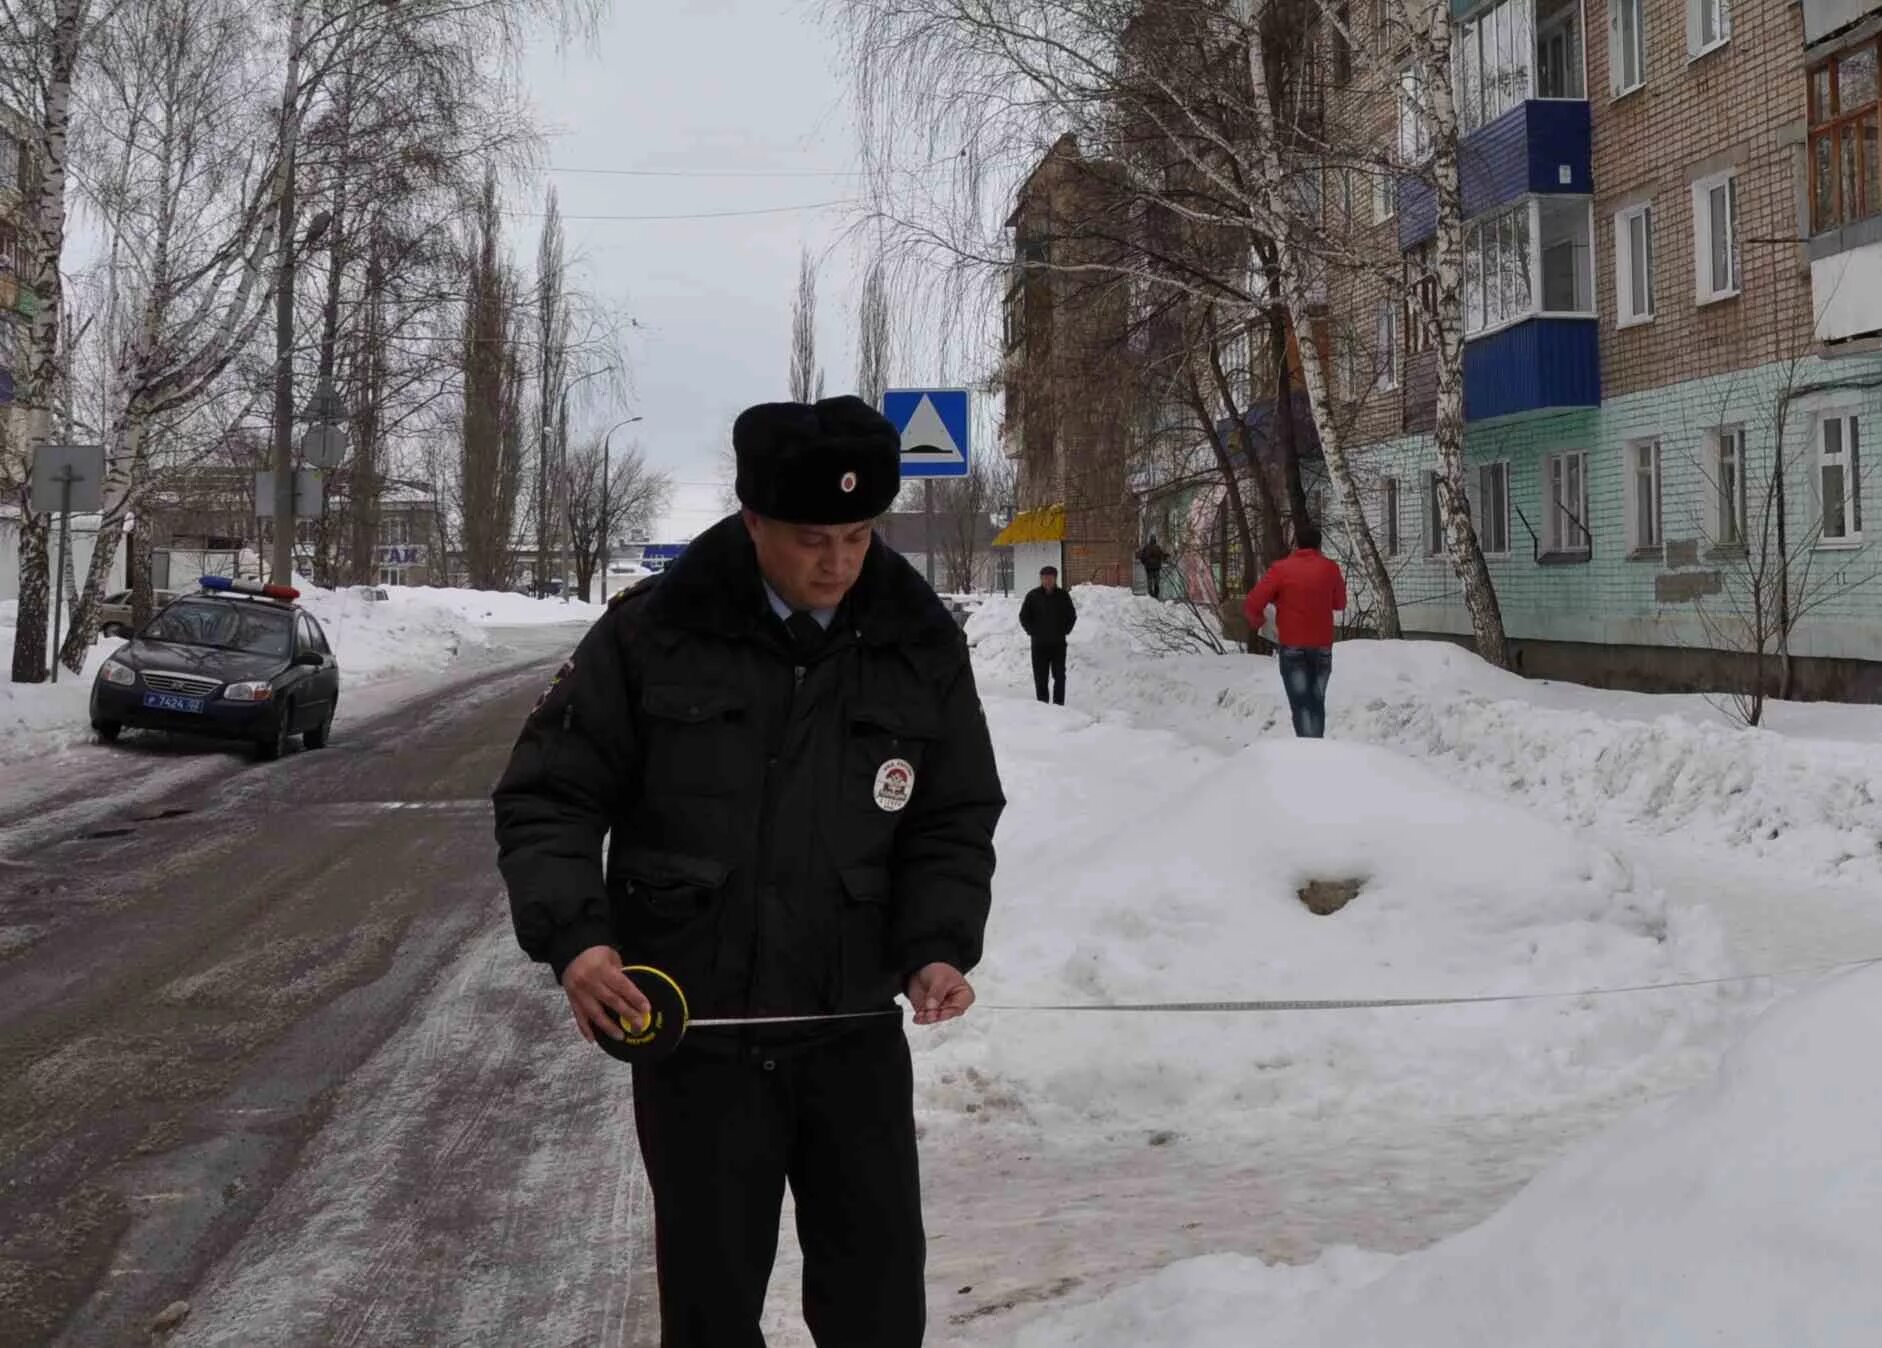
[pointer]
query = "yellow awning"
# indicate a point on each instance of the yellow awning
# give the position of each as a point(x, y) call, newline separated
point(1044, 525)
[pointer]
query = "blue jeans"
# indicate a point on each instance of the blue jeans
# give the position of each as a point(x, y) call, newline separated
point(1304, 674)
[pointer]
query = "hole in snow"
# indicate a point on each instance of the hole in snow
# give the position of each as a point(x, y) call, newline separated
point(110, 833)
point(1326, 897)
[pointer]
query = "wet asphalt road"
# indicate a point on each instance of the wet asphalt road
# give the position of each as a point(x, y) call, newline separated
point(192, 985)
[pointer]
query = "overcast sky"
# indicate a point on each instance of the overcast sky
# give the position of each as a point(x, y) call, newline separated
point(744, 99)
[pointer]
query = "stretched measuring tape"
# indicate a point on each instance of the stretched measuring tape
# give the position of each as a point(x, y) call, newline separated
point(666, 1027)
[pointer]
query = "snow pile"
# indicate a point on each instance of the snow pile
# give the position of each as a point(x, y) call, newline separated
point(498, 608)
point(1741, 1212)
point(1593, 758)
point(1111, 621)
point(38, 717)
point(1138, 868)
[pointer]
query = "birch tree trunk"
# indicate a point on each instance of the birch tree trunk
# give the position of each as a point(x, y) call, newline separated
point(44, 244)
point(1432, 38)
point(1290, 282)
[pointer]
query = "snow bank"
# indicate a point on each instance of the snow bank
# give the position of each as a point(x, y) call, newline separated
point(1806, 793)
point(1741, 1212)
point(413, 631)
point(1137, 867)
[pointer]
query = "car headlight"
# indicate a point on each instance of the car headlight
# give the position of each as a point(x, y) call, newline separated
point(248, 692)
point(116, 673)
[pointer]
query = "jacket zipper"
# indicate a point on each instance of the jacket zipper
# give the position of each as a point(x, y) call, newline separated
point(767, 827)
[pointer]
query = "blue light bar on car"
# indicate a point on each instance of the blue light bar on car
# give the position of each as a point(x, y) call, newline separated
point(224, 583)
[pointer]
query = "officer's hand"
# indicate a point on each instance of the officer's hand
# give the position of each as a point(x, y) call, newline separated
point(599, 992)
point(939, 992)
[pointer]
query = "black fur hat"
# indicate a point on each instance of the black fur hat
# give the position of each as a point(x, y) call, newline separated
point(836, 462)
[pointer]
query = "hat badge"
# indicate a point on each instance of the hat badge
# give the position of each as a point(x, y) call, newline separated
point(848, 484)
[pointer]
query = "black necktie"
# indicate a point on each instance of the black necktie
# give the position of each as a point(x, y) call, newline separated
point(807, 633)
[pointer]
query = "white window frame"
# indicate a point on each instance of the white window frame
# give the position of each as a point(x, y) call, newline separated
point(1630, 452)
point(1571, 19)
point(1384, 197)
point(1848, 420)
point(1725, 467)
point(1492, 530)
point(1565, 534)
point(1388, 515)
point(1706, 287)
point(1625, 316)
point(1696, 43)
point(1618, 14)
point(1414, 129)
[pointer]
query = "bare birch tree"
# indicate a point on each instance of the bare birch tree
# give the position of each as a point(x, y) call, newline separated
point(806, 379)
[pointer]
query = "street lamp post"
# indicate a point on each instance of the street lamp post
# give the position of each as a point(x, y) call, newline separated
point(607, 482)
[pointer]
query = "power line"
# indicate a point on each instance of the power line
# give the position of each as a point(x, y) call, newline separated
point(740, 173)
point(703, 215)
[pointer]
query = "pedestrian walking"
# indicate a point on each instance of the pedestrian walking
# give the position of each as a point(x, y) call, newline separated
point(1306, 589)
point(1153, 557)
point(1048, 616)
point(780, 740)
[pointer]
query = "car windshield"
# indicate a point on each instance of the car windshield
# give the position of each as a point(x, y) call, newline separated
point(255, 628)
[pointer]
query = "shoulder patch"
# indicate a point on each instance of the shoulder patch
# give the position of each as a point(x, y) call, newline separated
point(568, 668)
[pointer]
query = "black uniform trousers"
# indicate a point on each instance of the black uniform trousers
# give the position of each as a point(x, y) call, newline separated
point(721, 1133)
point(1049, 660)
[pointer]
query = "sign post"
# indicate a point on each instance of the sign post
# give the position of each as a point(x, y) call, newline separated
point(934, 424)
point(66, 478)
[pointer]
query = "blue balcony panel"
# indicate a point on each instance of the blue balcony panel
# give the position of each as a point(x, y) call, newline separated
point(1536, 364)
point(1261, 420)
point(1543, 145)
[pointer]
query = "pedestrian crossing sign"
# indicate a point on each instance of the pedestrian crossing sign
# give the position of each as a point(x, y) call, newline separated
point(934, 426)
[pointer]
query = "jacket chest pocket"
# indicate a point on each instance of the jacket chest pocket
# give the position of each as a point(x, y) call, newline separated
point(883, 756)
point(699, 740)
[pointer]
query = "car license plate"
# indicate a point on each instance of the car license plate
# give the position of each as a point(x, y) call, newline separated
point(171, 702)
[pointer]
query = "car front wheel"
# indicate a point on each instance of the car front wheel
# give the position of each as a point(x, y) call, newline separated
point(107, 731)
point(276, 744)
point(317, 737)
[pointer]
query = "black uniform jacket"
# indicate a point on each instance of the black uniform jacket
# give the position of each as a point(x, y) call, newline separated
point(1048, 616)
point(786, 835)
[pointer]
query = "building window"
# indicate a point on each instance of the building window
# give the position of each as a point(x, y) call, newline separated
point(1633, 265)
point(1496, 271)
point(1388, 508)
point(1016, 316)
point(1414, 133)
point(1627, 45)
point(1382, 198)
point(1708, 25)
point(1643, 495)
point(1421, 299)
point(1565, 510)
point(1839, 474)
point(1727, 446)
point(10, 161)
point(1715, 236)
point(9, 248)
point(1342, 46)
point(1434, 517)
point(1558, 50)
point(1493, 508)
point(1385, 348)
point(1493, 52)
point(1844, 183)
point(1565, 229)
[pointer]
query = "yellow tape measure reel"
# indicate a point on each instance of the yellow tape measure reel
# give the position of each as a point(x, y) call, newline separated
point(663, 1030)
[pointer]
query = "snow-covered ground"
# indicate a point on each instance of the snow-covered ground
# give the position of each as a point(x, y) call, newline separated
point(1511, 837)
point(411, 635)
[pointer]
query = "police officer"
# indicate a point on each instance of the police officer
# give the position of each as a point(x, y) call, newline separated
point(781, 741)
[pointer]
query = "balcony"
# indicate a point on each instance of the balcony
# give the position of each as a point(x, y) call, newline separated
point(1538, 364)
point(1260, 419)
point(1542, 145)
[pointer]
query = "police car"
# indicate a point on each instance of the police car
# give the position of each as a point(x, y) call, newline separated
point(236, 660)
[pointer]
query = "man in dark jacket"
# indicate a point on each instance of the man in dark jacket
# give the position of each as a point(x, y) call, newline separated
point(1152, 556)
point(1048, 617)
point(781, 741)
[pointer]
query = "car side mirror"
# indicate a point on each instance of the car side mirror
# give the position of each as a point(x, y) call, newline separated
point(310, 658)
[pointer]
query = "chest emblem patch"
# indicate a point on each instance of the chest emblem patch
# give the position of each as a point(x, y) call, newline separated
point(895, 783)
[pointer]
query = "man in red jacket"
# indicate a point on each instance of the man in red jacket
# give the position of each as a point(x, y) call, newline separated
point(1306, 590)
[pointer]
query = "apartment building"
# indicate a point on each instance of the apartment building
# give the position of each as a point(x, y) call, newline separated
point(1070, 401)
point(1673, 294)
